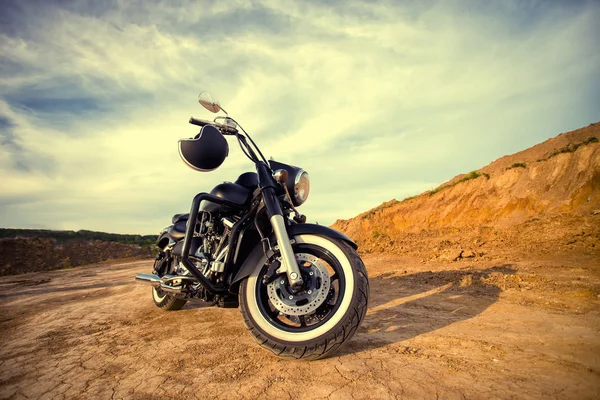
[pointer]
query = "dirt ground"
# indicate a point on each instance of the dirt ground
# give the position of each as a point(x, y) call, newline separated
point(499, 328)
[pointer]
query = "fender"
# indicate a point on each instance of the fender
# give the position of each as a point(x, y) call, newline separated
point(253, 259)
point(320, 230)
point(163, 239)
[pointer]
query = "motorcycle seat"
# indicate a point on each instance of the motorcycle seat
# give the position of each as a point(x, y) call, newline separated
point(175, 234)
point(180, 217)
point(177, 231)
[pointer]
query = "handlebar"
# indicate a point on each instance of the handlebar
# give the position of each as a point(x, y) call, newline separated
point(225, 130)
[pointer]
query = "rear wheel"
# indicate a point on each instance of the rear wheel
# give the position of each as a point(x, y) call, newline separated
point(164, 300)
point(313, 322)
point(167, 301)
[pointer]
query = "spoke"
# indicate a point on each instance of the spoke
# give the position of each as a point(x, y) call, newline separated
point(323, 311)
point(273, 312)
point(332, 298)
point(302, 319)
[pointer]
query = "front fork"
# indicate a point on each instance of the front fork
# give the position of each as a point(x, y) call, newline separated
point(288, 259)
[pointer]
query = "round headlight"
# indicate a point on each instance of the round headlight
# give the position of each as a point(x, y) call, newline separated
point(301, 187)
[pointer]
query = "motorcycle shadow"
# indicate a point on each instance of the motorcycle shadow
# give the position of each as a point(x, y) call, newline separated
point(197, 304)
point(405, 306)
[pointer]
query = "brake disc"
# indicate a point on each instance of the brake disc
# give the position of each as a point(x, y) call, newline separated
point(315, 289)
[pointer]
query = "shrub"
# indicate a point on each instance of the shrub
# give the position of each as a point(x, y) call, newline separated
point(517, 165)
point(471, 175)
point(571, 148)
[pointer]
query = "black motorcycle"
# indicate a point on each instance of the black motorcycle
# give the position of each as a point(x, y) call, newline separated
point(302, 288)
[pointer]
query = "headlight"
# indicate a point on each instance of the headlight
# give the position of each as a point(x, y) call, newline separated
point(297, 182)
point(301, 187)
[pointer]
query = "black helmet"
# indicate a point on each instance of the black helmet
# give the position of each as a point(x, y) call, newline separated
point(206, 151)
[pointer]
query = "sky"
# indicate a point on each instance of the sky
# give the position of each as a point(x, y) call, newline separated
point(376, 100)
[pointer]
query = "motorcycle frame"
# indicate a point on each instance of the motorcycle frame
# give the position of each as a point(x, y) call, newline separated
point(269, 190)
point(189, 235)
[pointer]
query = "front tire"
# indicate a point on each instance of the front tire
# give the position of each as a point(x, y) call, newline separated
point(335, 320)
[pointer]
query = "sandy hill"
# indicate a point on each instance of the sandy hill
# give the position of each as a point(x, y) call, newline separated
point(544, 198)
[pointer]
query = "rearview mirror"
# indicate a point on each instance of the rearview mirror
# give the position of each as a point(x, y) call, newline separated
point(206, 100)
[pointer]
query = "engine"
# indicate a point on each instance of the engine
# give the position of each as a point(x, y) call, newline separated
point(214, 233)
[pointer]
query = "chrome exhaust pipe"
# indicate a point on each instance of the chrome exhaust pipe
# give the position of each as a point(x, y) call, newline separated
point(149, 279)
point(166, 282)
point(172, 289)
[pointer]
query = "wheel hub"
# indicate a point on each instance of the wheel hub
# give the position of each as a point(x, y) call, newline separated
point(314, 291)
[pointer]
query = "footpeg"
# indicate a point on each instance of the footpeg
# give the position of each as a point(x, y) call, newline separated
point(228, 302)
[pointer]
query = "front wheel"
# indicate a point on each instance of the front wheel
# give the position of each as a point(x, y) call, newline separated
point(313, 322)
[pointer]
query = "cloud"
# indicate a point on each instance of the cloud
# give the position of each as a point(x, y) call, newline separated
point(375, 100)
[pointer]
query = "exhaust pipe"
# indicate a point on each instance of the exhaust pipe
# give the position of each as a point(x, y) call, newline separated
point(166, 282)
point(149, 279)
point(172, 289)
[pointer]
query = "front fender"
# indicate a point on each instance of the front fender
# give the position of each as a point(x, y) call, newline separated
point(253, 259)
point(320, 230)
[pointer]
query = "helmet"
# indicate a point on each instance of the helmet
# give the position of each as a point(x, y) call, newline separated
point(206, 151)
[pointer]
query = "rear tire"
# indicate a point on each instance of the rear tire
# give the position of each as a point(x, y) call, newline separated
point(167, 301)
point(305, 342)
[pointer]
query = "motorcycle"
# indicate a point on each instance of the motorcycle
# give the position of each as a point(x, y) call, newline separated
point(302, 288)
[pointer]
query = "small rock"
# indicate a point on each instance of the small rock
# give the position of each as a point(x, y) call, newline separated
point(466, 280)
point(451, 255)
point(595, 212)
point(468, 254)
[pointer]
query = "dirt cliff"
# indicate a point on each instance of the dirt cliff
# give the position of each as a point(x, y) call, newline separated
point(28, 254)
point(543, 199)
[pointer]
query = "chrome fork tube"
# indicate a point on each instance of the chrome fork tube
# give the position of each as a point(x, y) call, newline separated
point(268, 187)
point(288, 259)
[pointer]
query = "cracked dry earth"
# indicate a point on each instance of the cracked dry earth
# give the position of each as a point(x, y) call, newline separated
point(493, 329)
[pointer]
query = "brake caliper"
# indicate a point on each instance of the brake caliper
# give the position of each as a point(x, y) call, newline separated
point(273, 267)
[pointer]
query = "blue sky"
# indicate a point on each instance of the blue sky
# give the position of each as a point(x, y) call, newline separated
point(376, 100)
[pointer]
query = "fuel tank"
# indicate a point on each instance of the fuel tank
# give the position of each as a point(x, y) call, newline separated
point(233, 192)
